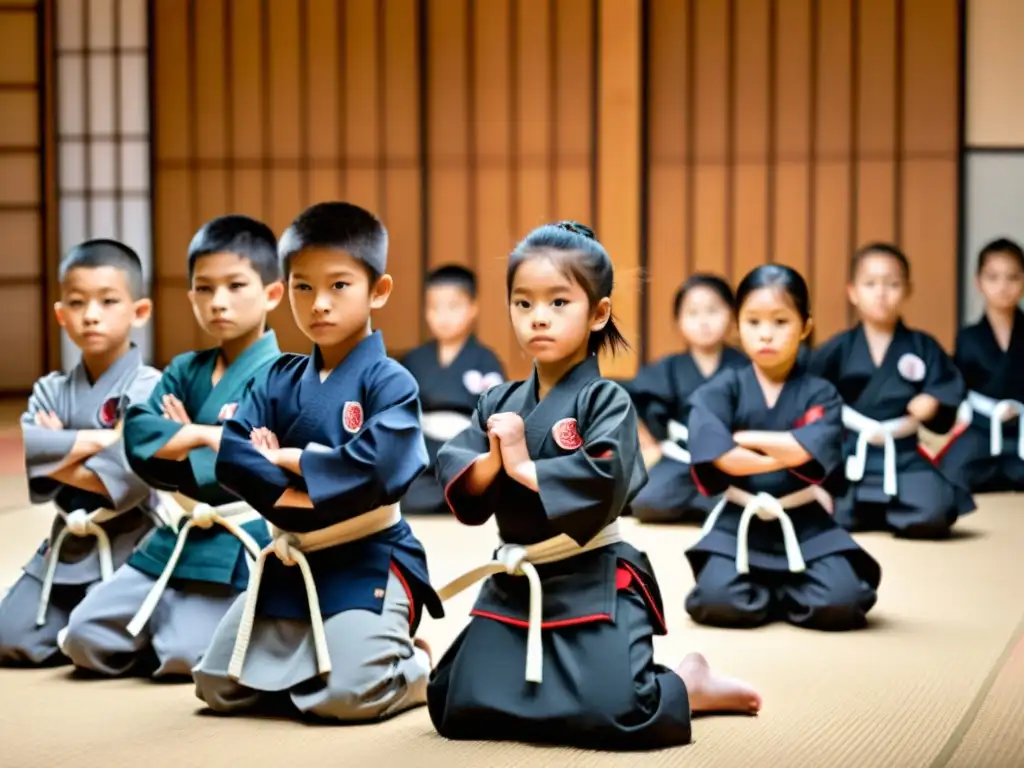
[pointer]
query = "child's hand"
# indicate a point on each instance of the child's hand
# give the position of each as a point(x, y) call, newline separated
point(923, 407)
point(508, 428)
point(174, 410)
point(266, 443)
point(48, 420)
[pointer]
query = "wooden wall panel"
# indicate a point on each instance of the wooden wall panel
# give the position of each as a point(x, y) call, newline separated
point(669, 257)
point(619, 131)
point(711, 136)
point(794, 131)
point(26, 199)
point(833, 166)
point(795, 32)
point(930, 147)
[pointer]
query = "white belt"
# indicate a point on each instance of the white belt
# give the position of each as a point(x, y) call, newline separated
point(671, 448)
point(518, 560)
point(78, 523)
point(878, 433)
point(767, 507)
point(230, 516)
point(442, 426)
point(290, 549)
point(998, 412)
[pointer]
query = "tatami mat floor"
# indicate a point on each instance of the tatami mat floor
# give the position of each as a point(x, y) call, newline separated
point(937, 680)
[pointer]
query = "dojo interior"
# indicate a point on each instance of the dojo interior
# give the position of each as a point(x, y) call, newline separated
point(693, 134)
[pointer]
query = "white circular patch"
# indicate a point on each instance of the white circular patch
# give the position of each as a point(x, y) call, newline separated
point(911, 367)
point(473, 381)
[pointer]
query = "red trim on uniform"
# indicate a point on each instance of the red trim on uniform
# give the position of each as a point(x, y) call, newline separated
point(819, 481)
point(625, 578)
point(452, 482)
point(935, 458)
point(408, 592)
point(604, 454)
point(646, 595)
point(545, 624)
point(696, 481)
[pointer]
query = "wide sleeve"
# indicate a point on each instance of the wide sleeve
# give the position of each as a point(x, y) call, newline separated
point(125, 489)
point(457, 455)
point(653, 398)
point(819, 430)
point(943, 381)
point(146, 431)
point(710, 427)
point(45, 449)
point(240, 467)
point(379, 463)
point(584, 490)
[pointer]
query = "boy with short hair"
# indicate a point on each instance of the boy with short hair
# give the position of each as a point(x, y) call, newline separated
point(323, 447)
point(74, 455)
point(893, 380)
point(452, 371)
point(159, 611)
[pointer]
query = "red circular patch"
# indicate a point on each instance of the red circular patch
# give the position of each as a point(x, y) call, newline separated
point(352, 417)
point(567, 435)
point(109, 411)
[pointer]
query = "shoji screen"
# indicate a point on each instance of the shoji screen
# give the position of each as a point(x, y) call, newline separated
point(103, 128)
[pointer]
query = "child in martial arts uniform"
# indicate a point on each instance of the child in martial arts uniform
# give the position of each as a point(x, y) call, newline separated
point(73, 451)
point(892, 379)
point(661, 391)
point(987, 452)
point(769, 436)
point(324, 446)
point(556, 460)
point(451, 372)
point(158, 613)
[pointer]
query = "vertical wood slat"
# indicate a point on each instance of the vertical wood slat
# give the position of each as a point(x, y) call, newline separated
point(877, 72)
point(492, 169)
point(711, 138)
point(448, 126)
point(403, 173)
point(619, 173)
point(362, 115)
point(930, 149)
point(668, 200)
point(751, 128)
point(793, 131)
point(833, 141)
point(668, 153)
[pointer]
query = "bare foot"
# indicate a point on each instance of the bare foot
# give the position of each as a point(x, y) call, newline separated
point(711, 692)
point(423, 645)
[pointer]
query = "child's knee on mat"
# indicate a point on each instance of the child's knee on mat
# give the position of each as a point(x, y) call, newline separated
point(221, 694)
point(723, 605)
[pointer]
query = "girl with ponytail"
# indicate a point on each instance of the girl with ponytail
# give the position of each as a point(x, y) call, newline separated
point(562, 627)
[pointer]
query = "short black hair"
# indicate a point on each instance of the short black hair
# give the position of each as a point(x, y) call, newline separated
point(1002, 246)
point(880, 249)
point(245, 237)
point(452, 274)
point(785, 279)
point(340, 227)
point(106, 253)
point(702, 280)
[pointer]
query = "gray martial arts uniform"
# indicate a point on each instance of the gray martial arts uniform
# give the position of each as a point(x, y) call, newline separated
point(29, 625)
